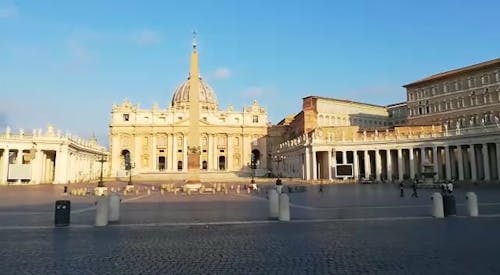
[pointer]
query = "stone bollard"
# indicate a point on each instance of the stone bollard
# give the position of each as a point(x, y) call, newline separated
point(149, 192)
point(161, 191)
point(279, 189)
point(137, 191)
point(273, 204)
point(284, 203)
point(248, 190)
point(114, 207)
point(152, 188)
point(472, 209)
point(124, 192)
point(437, 205)
point(237, 189)
point(101, 211)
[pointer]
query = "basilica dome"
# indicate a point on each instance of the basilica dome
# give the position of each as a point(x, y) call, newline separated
point(207, 97)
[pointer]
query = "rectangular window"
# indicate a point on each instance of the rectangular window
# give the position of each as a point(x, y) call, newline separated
point(255, 119)
point(126, 117)
point(179, 118)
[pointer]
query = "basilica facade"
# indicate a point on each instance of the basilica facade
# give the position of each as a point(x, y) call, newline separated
point(155, 141)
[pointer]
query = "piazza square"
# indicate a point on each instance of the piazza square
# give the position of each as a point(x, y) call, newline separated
point(388, 166)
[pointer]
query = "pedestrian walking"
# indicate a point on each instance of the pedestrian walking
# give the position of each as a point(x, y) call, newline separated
point(450, 188)
point(402, 191)
point(414, 194)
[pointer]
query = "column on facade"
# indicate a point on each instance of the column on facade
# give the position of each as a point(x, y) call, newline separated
point(472, 159)
point(486, 162)
point(307, 163)
point(389, 164)
point(460, 160)
point(174, 152)
point(154, 157)
point(355, 159)
point(448, 163)
point(5, 166)
point(412, 163)
point(435, 161)
point(216, 153)
point(378, 164)
point(184, 153)
point(368, 169)
point(229, 153)
point(400, 164)
point(315, 165)
point(329, 162)
point(170, 153)
point(210, 152)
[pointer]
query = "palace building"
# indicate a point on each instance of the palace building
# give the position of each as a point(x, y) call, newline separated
point(156, 141)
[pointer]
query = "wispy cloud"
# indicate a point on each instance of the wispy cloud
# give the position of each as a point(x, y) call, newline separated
point(147, 37)
point(222, 73)
point(8, 12)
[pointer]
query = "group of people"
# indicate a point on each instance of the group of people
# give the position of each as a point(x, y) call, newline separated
point(446, 189)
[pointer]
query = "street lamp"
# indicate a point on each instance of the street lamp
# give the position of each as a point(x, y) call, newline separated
point(102, 161)
point(130, 166)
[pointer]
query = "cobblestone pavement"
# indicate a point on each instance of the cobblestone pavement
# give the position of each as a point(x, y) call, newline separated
point(418, 246)
point(34, 205)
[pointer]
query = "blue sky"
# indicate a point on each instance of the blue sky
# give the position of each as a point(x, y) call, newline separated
point(67, 62)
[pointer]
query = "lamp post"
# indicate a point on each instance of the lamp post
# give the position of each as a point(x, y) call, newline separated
point(131, 165)
point(253, 166)
point(102, 161)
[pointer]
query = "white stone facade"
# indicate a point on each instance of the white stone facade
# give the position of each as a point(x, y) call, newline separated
point(49, 157)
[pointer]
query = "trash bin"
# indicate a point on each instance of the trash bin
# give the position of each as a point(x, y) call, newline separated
point(62, 213)
point(449, 205)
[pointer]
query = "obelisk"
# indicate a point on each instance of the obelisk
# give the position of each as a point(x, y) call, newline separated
point(194, 118)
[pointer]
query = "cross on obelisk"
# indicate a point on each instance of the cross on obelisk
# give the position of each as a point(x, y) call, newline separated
point(194, 117)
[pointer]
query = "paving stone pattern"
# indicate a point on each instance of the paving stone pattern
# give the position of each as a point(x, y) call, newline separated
point(427, 246)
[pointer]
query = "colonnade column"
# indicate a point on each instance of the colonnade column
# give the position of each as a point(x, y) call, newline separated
point(448, 162)
point(389, 164)
point(486, 162)
point(315, 165)
point(460, 160)
point(378, 164)
point(400, 164)
point(4, 165)
point(356, 165)
point(472, 159)
point(435, 161)
point(497, 145)
point(412, 164)
point(307, 164)
point(368, 169)
point(329, 162)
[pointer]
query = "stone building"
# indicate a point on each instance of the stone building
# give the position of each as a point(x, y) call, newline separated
point(155, 141)
point(460, 98)
point(450, 123)
point(49, 157)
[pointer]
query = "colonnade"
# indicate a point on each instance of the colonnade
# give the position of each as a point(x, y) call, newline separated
point(476, 161)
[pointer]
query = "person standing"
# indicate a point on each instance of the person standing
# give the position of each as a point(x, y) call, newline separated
point(414, 194)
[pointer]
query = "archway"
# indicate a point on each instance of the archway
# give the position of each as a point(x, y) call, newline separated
point(125, 160)
point(162, 163)
point(204, 165)
point(179, 165)
point(222, 163)
point(255, 160)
